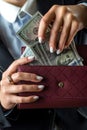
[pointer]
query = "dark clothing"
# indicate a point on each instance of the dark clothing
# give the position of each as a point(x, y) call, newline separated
point(43, 7)
point(40, 119)
point(67, 119)
point(70, 119)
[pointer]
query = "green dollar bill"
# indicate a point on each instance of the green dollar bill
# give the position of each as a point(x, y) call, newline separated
point(28, 33)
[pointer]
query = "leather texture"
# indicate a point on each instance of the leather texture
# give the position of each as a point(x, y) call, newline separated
point(65, 86)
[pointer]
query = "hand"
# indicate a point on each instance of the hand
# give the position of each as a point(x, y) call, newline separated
point(67, 19)
point(9, 91)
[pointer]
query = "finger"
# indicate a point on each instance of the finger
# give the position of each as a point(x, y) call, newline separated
point(55, 33)
point(16, 77)
point(45, 21)
point(65, 32)
point(12, 89)
point(73, 31)
point(12, 100)
point(24, 88)
point(13, 67)
point(20, 99)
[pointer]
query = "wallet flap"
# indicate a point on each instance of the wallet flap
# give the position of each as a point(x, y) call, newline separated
point(65, 86)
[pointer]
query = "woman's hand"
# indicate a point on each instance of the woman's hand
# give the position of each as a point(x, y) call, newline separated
point(9, 90)
point(67, 20)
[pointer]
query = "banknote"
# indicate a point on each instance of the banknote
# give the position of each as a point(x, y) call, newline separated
point(29, 52)
point(67, 57)
point(28, 33)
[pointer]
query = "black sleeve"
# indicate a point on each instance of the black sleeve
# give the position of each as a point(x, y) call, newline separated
point(82, 1)
point(5, 61)
point(5, 58)
point(3, 121)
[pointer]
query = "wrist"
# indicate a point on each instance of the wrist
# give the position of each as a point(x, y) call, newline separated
point(79, 11)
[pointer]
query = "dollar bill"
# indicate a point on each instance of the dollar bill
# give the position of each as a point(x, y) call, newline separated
point(29, 52)
point(67, 57)
point(28, 33)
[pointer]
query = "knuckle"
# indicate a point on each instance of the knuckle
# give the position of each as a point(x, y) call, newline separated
point(63, 9)
point(21, 100)
point(34, 87)
point(32, 76)
point(44, 20)
point(21, 88)
point(18, 74)
point(70, 16)
point(54, 7)
point(30, 99)
point(58, 8)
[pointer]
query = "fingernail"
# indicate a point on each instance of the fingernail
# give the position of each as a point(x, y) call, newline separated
point(39, 77)
point(31, 57)
point(41, 86)
point(36, 97)
point(51, 49)
point(40, 40)
point(58, 51)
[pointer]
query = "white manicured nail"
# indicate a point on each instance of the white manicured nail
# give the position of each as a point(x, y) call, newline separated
point(31, 57)
point(36, 97)
point(40, 40)
point(58, 52)
point(51, 49)
point(39, 77)
point(40, 86)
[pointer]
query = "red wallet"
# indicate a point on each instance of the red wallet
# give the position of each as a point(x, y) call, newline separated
point(65, 86)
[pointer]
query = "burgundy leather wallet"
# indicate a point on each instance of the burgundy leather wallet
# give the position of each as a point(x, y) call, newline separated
point(65, 86)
